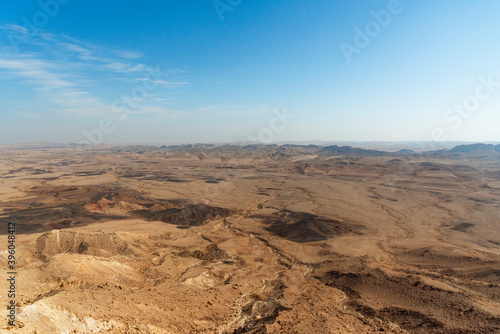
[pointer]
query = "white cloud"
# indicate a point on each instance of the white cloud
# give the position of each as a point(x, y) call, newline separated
point(129, 54)
point(67, 71)
point(118, 67)
point(37, 71)
point(54, 86)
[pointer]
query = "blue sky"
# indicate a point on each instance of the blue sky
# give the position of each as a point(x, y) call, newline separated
point(220, 71)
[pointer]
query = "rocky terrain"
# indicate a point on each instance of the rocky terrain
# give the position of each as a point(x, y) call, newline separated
point(253, 239)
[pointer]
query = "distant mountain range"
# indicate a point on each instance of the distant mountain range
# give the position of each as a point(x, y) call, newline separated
point(474, 150)
point(460, 150)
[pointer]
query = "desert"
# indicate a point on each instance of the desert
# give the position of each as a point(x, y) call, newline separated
point(263, 167)
point(252, 239)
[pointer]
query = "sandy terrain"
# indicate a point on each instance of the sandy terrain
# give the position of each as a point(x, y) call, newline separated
point(253, 240)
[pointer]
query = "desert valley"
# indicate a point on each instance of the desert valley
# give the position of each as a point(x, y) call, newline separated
point(252, 239)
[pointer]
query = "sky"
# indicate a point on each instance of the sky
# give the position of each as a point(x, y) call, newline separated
point(191, 71)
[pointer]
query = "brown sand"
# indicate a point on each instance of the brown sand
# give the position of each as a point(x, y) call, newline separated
point(251, 241)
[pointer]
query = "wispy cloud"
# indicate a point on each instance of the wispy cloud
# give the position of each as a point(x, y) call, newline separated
point(69, 73)
point(129, 54)
point(64, 90)
point(37, 71)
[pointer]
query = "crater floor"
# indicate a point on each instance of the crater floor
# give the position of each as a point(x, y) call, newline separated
point(127, 240)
